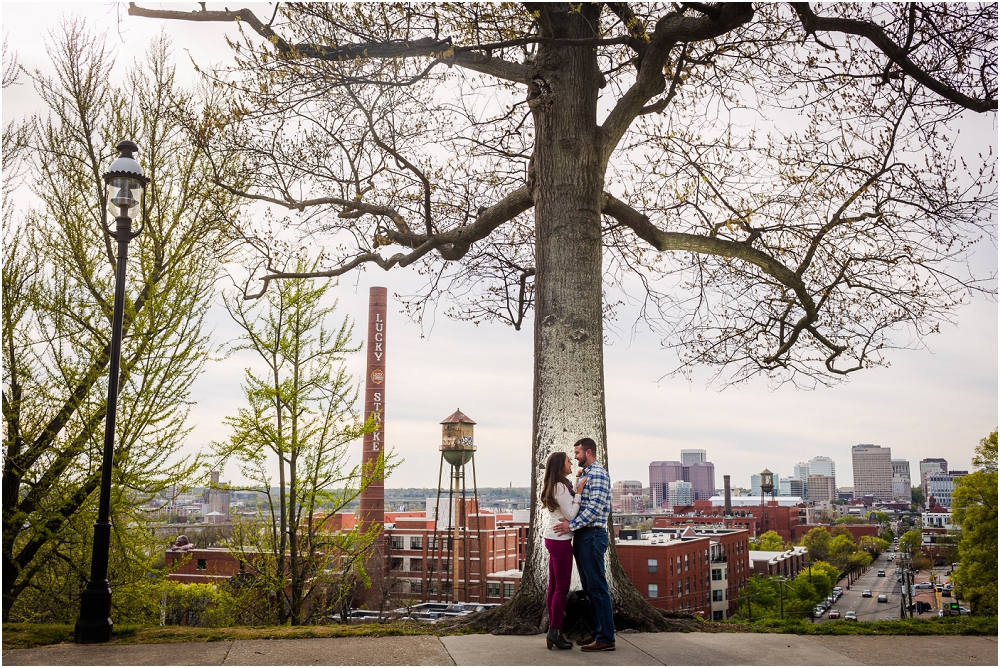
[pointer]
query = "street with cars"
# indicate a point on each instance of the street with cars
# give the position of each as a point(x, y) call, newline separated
point(876, 594)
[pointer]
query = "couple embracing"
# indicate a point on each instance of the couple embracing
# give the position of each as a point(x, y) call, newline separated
point(578, 528)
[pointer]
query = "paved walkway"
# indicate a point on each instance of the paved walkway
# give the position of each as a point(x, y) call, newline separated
point(634, 649)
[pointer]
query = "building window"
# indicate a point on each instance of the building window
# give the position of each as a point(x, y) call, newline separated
point(203, 564)
point(678, 564)
point(651, 565)
point(508, 589)
point(717, 595)
point(416, 564)
point(653, 590)
point(716, 573)
point(396, 564)
point(687, 563)
point(687, 585)
point(416, 542)
point(416, 586)
point(493, 590)
point(717, 615)
point(398, 543)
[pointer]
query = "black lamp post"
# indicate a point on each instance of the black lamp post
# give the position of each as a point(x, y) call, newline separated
point(125, 182)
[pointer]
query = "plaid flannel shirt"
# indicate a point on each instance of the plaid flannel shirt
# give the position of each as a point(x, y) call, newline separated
point(595, 504)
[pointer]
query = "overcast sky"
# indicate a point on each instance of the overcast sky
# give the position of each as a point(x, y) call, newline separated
point(928, 403)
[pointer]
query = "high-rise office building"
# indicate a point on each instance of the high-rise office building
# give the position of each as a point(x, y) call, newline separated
point(679, 493)
point(822, 488)
point(941, 484)
point(701, 475)
point(755, 484)
point(872, 471)
point(822, 466)
point(901, 490)
point(693, 456)
point(801, 471)
point(790, 487)
point(930, 465)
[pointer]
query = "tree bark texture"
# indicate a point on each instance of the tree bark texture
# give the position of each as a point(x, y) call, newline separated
point(566, 180)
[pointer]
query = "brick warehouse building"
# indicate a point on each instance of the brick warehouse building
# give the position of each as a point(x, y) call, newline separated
point(420, 559)
point(690, 570)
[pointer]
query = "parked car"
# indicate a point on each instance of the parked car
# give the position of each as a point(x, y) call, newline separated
point(923, 585)
point(818, 612)
point(834, 614)
point(961, 611)
point(867, 593)
point(882, 598)
point(851, 616)
point(838, 590)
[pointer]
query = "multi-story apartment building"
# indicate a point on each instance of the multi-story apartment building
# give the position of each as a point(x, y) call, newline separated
point(679, 494)
point(787, 563)
point(930, 465)
point(821, 488)
point(701, 475)
point(627, 488)
point(687, 569)
point(940, 485)
point(872, 471)
point(901, 487)
point(422, 561)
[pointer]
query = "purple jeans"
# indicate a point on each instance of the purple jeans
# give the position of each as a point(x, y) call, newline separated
point(560, 571)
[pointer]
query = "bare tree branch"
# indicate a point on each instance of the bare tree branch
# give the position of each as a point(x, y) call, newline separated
point(874, 34)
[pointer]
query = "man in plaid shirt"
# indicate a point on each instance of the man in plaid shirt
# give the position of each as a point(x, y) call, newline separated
point(590, 542)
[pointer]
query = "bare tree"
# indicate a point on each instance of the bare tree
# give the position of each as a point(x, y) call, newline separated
point(780, 179)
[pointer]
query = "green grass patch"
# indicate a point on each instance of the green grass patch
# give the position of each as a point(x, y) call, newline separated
point(935, 626)
point(24, 635)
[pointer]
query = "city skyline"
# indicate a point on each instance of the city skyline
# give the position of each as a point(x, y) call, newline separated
point(650, 415)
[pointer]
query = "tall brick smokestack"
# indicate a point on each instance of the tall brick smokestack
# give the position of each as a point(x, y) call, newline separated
point(373, 498)
point(729, 498)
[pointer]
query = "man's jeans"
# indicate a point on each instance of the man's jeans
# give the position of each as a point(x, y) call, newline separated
point(589, 546)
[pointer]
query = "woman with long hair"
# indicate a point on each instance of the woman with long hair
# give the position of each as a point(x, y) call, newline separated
point(559, 499)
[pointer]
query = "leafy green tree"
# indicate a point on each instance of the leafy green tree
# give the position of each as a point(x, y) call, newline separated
point(829, 570)
point(974, 508)
point(817, 541)
point(769, 541)
point(533, 157)
point(298, 422)
point(917, 494)
point(985, 458)
point(760, 596)
point(58, 283)
point(911, 540)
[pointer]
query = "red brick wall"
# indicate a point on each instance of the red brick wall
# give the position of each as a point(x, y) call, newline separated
point(688, 588)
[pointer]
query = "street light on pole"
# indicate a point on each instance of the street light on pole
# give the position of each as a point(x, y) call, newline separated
point(126, 183)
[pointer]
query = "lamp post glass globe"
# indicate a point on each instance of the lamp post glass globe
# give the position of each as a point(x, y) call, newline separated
point(123, 196)
point(125, 182)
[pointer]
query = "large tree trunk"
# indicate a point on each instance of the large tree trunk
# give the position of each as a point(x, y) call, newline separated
point(567, 181)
